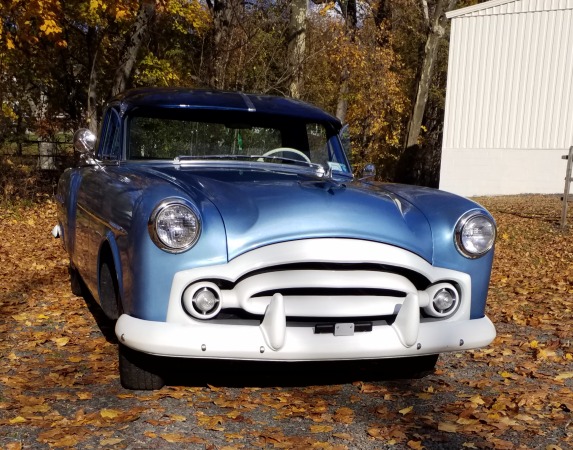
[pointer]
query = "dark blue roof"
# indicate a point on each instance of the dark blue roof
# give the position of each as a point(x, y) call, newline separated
point(220, 100)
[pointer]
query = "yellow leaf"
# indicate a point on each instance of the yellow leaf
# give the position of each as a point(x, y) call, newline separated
point(177, 418)
point(60, 342)
point(18, 419)
point(533, 344)
point(321, 428)
point(477, 400)
point(109, 413)
point(344, 436)
point(563, 376)
point(110, 441)
point(505, 374)
point(544, 354)
point(41, 408)
point(10, 44)
point(406, 410)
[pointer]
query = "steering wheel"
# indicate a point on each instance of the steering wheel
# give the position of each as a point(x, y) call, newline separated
point(287, 150)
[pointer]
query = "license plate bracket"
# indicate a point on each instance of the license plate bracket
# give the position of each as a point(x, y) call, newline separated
point(344, 329)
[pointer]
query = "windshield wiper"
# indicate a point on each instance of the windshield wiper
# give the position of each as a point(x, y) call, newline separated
point(319, 169)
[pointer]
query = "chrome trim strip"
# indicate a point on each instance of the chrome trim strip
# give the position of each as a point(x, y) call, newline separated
point(98, 219)
point(248, 102)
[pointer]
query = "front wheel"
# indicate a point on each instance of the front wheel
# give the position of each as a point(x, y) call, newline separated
point(139, 371)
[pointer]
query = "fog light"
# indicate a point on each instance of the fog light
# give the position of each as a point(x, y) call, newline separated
point(444, 300)
point(205, 300)
point(202, 300)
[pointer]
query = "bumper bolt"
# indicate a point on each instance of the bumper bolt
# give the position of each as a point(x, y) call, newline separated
point(461, 342)
point(203, 347)
point(419, 346)
point(262, 349)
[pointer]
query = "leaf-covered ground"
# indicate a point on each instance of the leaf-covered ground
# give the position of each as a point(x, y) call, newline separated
point(59, 385)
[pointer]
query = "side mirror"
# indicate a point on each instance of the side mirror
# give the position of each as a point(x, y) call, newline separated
point(369, 171)
point(84, 142)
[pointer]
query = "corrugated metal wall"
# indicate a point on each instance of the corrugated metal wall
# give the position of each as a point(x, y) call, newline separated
point(510, 79)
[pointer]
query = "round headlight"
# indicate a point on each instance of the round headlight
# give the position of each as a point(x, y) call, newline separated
point(174, 226)
point(475, 234)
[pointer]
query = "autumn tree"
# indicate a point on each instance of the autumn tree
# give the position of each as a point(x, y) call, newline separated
point(435, 21)
point(296, 45)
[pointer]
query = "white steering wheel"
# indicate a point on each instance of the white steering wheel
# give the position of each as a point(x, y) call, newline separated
point(288, 150)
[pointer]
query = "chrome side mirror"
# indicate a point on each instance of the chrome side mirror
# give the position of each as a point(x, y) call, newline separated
point(369, 171)
point(84, 142)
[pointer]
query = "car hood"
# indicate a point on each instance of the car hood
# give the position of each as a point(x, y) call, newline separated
point(261, 207)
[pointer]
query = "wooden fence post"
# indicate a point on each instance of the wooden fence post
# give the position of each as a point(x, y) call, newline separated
point(568, 180)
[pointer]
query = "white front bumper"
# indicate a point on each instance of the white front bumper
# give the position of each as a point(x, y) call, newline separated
point(300, 343)
point(271, 336)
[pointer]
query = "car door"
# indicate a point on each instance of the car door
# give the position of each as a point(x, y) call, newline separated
point(93, 197)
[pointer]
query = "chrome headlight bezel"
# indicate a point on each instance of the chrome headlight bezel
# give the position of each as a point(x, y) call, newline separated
point(466, 221)
point(156, 215)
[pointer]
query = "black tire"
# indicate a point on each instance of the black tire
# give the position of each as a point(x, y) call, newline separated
point(138, 371)
point(76, 282)
point(109, 290)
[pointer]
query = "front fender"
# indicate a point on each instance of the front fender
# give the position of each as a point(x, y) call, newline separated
point(151, 269)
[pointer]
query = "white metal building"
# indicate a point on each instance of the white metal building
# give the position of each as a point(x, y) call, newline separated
point(509, 98)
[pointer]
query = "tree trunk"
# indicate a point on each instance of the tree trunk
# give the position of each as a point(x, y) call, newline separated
point(225, 14)
point(350, 18)
point(91, 112)
point(296, 45)
point(132, 45)
point(436, 31)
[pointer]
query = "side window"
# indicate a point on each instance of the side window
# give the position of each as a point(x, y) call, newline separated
point(110, 147)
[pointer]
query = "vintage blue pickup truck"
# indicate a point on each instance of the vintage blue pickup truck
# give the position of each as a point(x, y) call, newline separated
point(230, 225)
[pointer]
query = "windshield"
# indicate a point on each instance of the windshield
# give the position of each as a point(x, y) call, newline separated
point(168, 134)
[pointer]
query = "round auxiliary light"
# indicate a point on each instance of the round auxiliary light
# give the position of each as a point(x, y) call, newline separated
point(174, 226)
point(205, 300)
point(202, 300)
point(475, 234)
point(443, 300)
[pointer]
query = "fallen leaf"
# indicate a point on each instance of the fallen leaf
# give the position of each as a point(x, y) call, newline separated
point(321, 428)
point(110, 441)
point(109, 413)
point(448, 427)
point(406, 410)
point(18, 419)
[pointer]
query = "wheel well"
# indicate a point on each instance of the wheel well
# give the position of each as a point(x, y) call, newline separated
point(108, 284)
